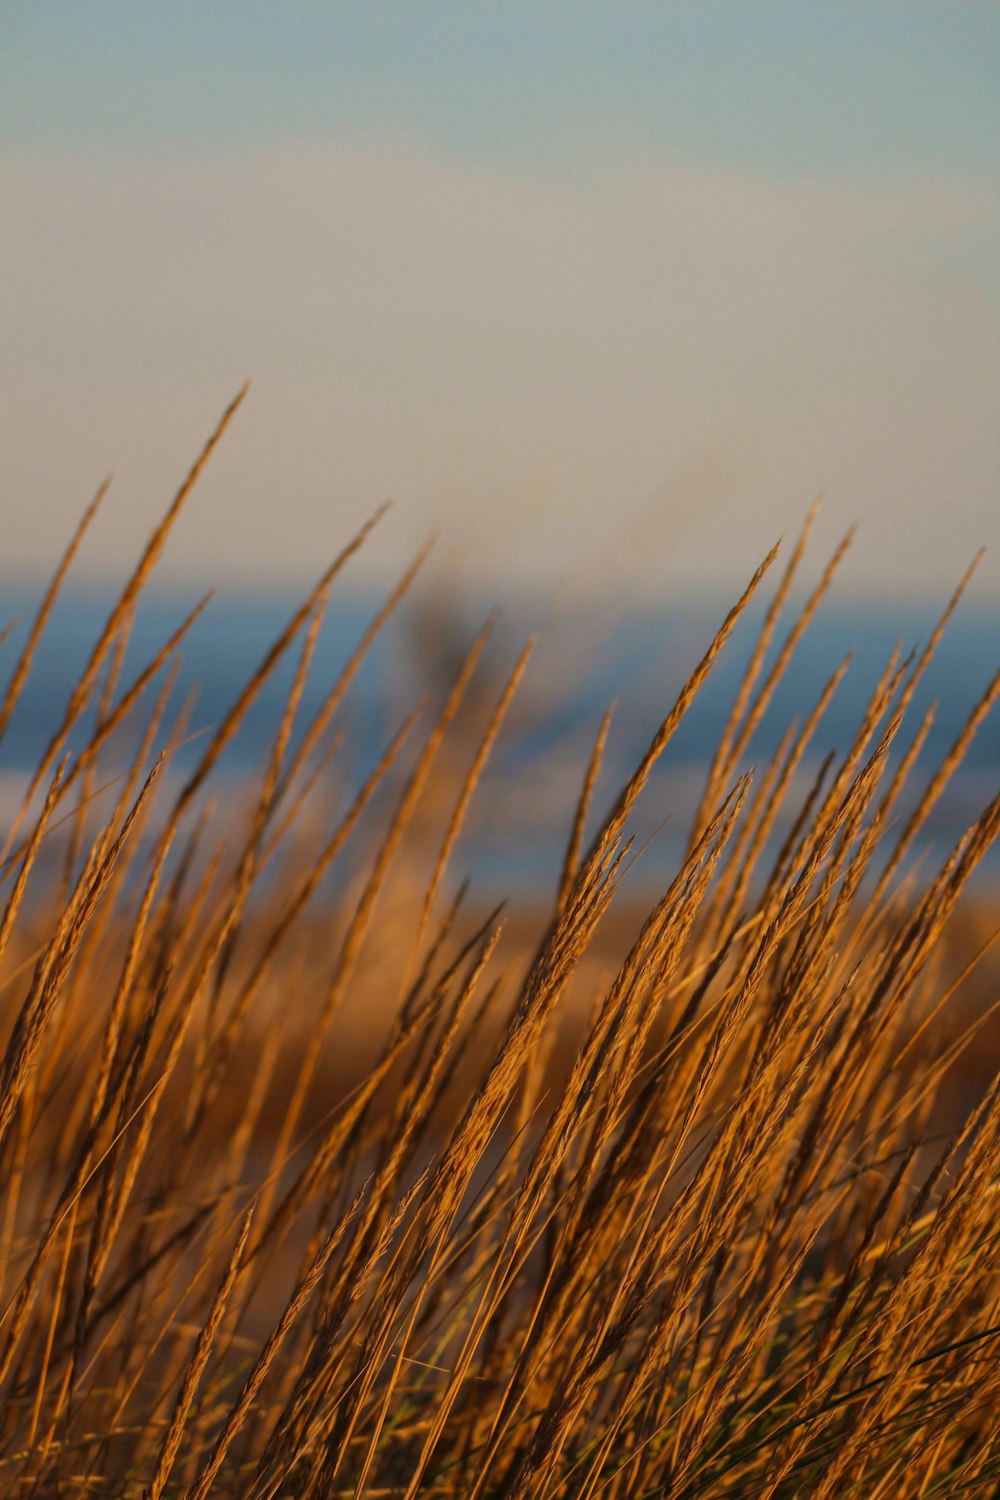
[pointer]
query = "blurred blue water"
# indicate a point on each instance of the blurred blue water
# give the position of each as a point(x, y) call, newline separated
point(588, 657)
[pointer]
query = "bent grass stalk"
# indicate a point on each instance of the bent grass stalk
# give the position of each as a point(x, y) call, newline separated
point(311, 1190)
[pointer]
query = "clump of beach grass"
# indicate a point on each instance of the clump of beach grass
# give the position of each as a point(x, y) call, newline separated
point(706, 1223)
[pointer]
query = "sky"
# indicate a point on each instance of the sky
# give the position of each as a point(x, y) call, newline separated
point(605, 294)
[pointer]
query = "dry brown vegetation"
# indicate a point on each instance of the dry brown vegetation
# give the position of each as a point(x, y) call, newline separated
point(321, 1196)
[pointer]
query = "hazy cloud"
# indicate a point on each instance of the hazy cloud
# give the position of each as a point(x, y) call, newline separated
point(640, 361)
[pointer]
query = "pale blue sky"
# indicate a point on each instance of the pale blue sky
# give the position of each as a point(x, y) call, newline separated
point(590, 286)
point(789, 87)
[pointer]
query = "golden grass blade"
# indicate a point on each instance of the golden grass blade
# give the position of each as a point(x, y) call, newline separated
point(20, 673)
point(231, 722)
point(139, 577)
point(691, 1193)
point(196, 1367)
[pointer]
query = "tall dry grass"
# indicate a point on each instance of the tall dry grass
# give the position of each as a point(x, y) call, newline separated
point(322, 1195)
